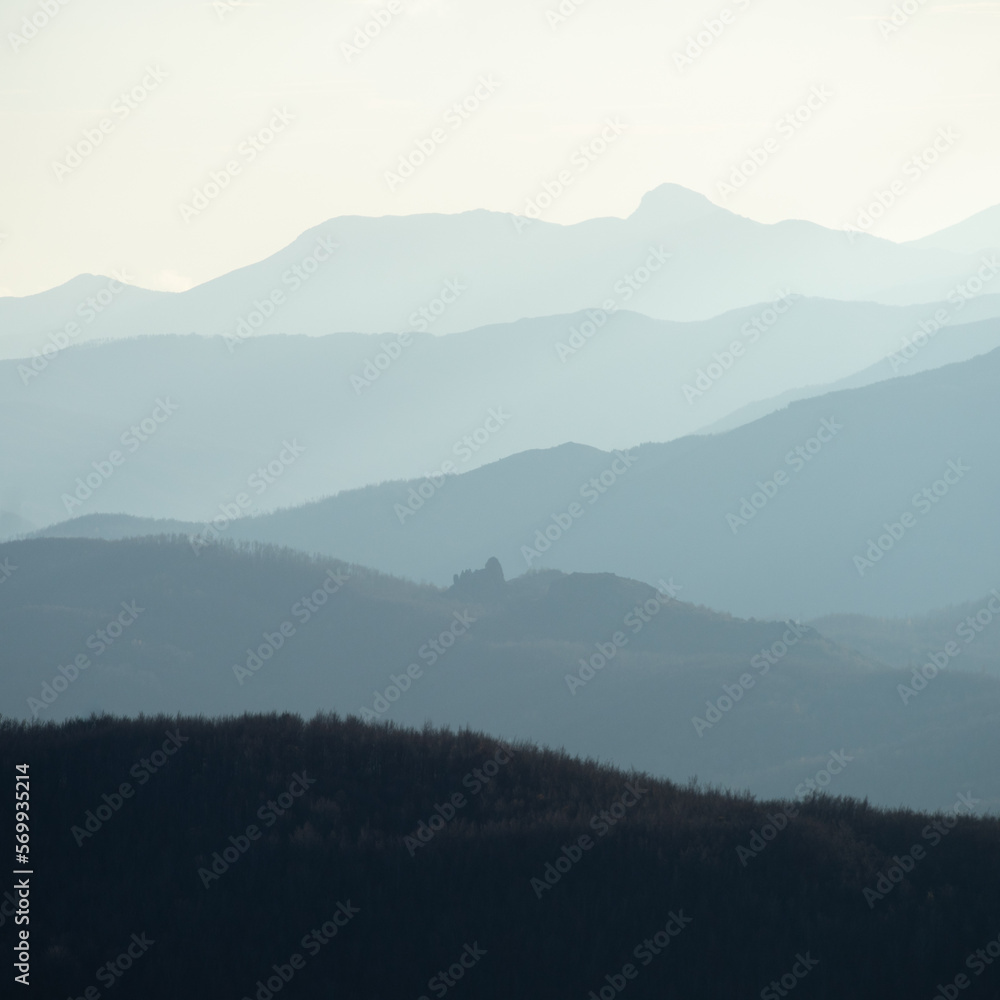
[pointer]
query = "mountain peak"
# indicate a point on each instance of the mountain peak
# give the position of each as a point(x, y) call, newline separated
point(676, 203)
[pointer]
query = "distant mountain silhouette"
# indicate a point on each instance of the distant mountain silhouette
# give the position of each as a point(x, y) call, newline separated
point(12, 525)
point(904, 642)
point(371, 275)
point(973, 235)
point(959, 344)
point(495, 391)
point(849, 528)
point(606, 667)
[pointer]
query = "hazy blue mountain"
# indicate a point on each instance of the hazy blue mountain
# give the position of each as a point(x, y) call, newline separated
point(86, 308)
point(373, 275)
point(903, 642)
point(977, 233)
point(114, 527)
point(161, 628)
point(12, 525)
point(811, 548)
point(368, 409)
point(960, 344)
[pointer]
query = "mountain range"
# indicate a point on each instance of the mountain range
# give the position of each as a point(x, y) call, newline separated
point(608, 668)
point(677, 257)
point(877, 501)
point(349, 400)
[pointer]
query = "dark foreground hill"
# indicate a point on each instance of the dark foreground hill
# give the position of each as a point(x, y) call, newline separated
point(261, 856)
point(606, 667)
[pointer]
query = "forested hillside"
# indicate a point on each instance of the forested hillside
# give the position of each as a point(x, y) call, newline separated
point(383, 858)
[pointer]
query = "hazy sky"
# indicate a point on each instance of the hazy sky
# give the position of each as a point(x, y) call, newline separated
point(207, 77)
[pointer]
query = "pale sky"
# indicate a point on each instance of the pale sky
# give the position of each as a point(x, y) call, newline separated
point(218, 73)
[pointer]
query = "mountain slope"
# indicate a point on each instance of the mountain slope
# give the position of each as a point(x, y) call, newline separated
point(685, 507)
point(370, 409)
point(497, 878)
point(605, 667)
point(973, 235)
point(902, 642)
point(373, 275)
point(809, 549)
point(962, 343)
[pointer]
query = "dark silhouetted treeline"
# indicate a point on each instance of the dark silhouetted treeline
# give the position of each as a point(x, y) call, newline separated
point(334, 874)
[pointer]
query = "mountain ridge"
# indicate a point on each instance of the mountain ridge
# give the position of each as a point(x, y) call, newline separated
point(607, 667)
point(334, 276)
